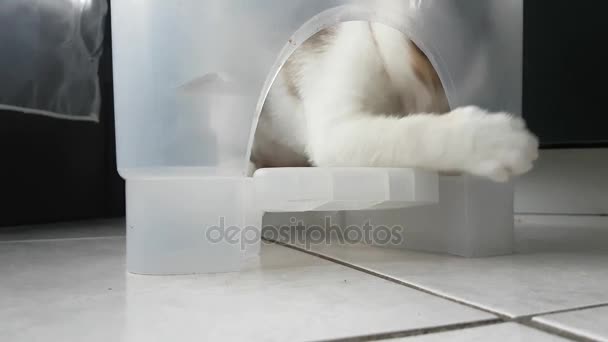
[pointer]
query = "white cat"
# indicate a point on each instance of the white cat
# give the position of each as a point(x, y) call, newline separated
point(363, 95)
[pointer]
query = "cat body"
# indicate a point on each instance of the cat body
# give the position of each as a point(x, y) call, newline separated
point(363, 95)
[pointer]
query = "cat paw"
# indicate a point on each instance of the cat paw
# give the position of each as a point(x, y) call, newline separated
point(497, 146)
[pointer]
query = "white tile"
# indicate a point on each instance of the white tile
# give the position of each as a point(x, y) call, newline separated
point(508, 332)
point(64, 230)
point(590, 323)
point(577, 235)
point(565, 182)
point(77, 290)
point(557, 267)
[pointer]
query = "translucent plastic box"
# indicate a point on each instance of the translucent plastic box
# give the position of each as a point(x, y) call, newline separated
point(190, 80)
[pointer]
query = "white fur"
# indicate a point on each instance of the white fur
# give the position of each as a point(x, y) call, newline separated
point(342, 116)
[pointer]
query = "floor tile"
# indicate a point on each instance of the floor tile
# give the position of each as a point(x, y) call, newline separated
point(508, 332)
point(589, 323)
point(78, 290)
point(557, 267)
point(64, 230)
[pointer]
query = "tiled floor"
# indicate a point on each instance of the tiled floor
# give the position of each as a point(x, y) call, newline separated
point(68, 283)
point(506, 332)
point(591, 323)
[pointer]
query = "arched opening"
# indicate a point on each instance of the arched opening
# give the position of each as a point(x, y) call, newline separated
point(318, 34)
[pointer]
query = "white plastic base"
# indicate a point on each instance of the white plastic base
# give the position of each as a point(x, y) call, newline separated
point(331, 189)
point(191, 225)
point(206, 225)
point(474, 218)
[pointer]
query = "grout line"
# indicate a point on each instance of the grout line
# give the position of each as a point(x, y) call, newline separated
point(109, 237)
point(561, 214)
point(526, 320)
point(390, 279)
point(531, 323)
point(555, 312)
point(418, 332)
point(555, 331)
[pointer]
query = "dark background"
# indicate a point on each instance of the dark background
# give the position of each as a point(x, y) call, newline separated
point(57, 170)
point(565, 72)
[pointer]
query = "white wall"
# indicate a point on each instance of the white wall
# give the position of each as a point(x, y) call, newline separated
point(565, 182)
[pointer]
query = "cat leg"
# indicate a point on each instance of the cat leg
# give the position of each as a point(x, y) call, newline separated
point(493, 145)
point(345, 129)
